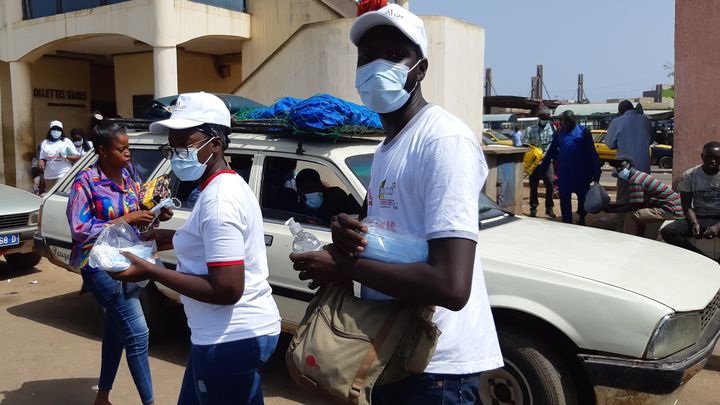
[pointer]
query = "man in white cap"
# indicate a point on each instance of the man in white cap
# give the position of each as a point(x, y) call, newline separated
point(425, 180)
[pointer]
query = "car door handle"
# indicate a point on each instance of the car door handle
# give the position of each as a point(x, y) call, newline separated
point(268, 240)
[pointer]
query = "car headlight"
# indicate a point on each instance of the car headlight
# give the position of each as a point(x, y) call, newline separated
point(33, 218)
point(674, 333)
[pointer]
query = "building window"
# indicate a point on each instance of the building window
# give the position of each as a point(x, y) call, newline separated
point(235, 5)
point(44, 8)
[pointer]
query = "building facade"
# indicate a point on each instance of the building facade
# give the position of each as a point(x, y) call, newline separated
point(64, 59)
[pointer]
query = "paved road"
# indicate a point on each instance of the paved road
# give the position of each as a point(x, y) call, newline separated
point(50, 343)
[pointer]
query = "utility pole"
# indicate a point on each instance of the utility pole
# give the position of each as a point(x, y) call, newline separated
point(533, 87)
point(539, 84)
point(581, 89)
point(488, 82)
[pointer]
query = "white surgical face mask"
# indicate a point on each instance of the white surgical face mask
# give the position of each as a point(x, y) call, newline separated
point(55, 134)
point(381, 85)
point(78, 143)
point(190, 169)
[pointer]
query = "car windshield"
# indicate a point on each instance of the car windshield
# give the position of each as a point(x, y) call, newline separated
point(360, 166)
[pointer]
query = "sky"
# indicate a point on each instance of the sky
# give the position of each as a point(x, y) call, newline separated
point(619, 46)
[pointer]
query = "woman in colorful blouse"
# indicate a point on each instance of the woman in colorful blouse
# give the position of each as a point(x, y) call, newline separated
point(105, 193)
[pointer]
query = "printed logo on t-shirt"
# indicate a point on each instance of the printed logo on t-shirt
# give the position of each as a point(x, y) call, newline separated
point(385, 195)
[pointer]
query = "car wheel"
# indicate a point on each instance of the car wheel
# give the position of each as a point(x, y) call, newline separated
point(22, 261)
point(665, 162)
point(534, 373)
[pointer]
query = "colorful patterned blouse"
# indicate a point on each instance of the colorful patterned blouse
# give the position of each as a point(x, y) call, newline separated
point(94, 201)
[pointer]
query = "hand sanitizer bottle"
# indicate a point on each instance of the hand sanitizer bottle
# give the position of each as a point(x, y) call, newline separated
point(304, 241)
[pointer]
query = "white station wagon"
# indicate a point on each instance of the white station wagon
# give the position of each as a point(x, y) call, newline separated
point(584, 315)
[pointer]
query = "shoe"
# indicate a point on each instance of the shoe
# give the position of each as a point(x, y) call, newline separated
point(550, 214)
point(533, 213)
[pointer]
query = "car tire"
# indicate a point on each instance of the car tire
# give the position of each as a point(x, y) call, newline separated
point(665, 162)
point(534, 373)
point(22, 261)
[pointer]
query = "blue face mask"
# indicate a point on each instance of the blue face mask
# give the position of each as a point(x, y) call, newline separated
point(381, 85)
point(55, 134)
point(624, 173)
point(189, 169)
point(314, 200)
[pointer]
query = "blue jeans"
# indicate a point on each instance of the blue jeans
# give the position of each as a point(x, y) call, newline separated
point(226, 373)
point(125, 327)
point(430, 389)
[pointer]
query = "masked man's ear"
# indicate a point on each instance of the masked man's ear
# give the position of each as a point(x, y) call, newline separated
point(422, 69)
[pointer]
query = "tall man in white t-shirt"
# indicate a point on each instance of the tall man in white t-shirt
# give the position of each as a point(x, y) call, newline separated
point(426, 179)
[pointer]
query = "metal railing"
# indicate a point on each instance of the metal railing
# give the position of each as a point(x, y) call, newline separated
point(43, 8)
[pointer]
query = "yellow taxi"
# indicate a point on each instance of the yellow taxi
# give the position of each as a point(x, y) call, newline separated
point(493, 137)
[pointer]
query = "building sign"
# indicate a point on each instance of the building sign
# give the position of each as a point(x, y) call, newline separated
point(57, 94)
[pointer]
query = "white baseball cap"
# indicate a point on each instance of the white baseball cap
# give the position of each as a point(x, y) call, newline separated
point(392, 14)
point(192, 110)
point(56, 123)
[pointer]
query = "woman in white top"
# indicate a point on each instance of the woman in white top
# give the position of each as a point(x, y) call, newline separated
point(82, 145)
point(222, 266)
point(57, 154)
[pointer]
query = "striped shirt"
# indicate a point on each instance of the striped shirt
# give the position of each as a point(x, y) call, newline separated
point(649, 191)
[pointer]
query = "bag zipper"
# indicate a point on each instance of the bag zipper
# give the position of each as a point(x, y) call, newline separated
point(325, 317)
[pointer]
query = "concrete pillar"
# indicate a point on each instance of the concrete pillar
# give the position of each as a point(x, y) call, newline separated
point(697, 55)
point(3, 66)
point(23, 145)
point(165, 71)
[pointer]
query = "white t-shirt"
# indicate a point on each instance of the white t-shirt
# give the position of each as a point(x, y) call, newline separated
point(55, 154)
point(427, 182)
point(226, 228)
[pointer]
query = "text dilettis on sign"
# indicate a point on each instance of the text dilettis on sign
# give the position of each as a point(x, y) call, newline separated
point(58, 94)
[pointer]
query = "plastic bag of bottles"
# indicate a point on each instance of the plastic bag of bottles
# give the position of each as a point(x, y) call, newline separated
point(390, 246)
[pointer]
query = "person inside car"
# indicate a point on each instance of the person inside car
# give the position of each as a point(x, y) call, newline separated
point(699, 189)
point(321, 201)
point(222, 266)
point(425, 179)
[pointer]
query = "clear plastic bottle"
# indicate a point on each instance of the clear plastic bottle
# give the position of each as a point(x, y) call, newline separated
point(304, 241)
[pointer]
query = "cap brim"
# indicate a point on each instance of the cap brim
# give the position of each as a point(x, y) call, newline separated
point(371, 20)
point(163, 126)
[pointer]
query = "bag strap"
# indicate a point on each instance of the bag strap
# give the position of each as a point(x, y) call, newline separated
point(371, 355)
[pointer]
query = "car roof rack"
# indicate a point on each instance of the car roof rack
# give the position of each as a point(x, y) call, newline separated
point(273, 127)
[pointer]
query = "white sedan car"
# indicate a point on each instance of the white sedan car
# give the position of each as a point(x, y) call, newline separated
point(584, 315)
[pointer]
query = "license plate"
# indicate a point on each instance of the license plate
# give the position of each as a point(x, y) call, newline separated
point(10, 240)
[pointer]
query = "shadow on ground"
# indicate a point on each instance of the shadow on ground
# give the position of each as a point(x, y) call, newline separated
point(66, 391)
point(7, 272)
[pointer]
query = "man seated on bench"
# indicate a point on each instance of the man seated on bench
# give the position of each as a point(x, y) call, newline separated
point(700, 196)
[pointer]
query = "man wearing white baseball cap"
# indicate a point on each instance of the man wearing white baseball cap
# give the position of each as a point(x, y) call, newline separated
point(222, 266)
point(426, 179)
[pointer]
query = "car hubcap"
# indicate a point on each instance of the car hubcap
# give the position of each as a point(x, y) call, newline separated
point(505, 386)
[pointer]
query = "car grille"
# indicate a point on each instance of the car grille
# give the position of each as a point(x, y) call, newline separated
point(709, 311)
point(14, 221)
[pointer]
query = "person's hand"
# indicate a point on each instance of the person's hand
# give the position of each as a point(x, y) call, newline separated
point(139, 218)
point(41, 164)
point(166, 213)
point(320, 267)
point(139, 270)
point(346, 235)
point(711, 231)
point(695, 229)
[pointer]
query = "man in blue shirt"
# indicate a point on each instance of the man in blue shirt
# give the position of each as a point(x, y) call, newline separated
point(631, 134)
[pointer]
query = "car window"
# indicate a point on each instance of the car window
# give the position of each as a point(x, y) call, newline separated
point(308, 191)
point(145, 161)
point(360, 166)
point(189, 191)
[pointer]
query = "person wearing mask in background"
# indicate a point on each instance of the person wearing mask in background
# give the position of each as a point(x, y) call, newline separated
point(57, 154)
point(631, 134)
point(426, 179)
point(222, 266)
point(578, 165)
point(650, 201)
point(517, 136)
point(699, 189)
point(105, 193)
point(540, 135)
point(82, 145)
point(321, 201)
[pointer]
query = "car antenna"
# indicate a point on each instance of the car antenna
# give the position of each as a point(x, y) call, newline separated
point(300, 149)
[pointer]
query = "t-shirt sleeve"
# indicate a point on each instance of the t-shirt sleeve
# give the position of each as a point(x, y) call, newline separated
point(42, 155)
point(452, 175)
point(685, 183)
point(222, 233)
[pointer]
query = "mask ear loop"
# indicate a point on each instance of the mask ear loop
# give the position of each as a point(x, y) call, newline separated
point(416, 81)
